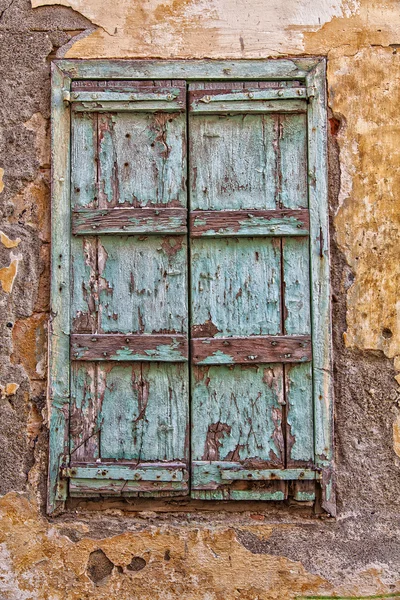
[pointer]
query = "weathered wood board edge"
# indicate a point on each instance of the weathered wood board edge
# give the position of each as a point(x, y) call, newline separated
point(320, 282)
point(278, 69)
point(58, 364)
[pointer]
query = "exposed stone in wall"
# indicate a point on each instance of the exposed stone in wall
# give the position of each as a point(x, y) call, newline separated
point(272, 552)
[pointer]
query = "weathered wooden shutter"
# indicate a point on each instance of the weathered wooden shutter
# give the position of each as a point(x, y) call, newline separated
point(240, 332)
point(129, 317)
point(252, 399)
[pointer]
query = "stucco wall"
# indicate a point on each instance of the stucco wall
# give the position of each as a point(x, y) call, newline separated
point(270, 552)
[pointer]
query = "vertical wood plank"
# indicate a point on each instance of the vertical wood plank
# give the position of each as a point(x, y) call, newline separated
point(232, 162)
point(235, 287)
point(237, 414)
point(59, 381)
point(293, 160)
point(142, 284)
point(144, 412)
point(84, 413)
point(320, 288)
point(84, 160)
point(141, 158)
point(84, 284)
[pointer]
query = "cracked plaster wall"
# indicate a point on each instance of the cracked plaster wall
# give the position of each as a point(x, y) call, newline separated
point(265, 552)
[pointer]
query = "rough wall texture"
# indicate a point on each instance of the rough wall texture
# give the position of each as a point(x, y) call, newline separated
point(267, 553)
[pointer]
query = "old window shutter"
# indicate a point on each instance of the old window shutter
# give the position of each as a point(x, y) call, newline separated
point(252, 408)
point(190, 350)
point(129, 349)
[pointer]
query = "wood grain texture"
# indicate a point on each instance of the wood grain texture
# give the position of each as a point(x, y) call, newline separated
point(129, 220)
point(251, 350)
point(235, 286)
point(233, 162)
point(141, 280)
point(142, 159)
point(245, 223)
point(320, 286)
point(165, 348)
point(251, 95)
point(59, 326)
point(144, 411)
point(84, 160)
point(84, 413)
point(277, 69)
point(237, 414)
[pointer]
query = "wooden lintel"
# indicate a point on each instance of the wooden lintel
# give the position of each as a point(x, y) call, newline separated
point(251, 350)
point(129, 221)
point(119, 347)
point(225, 223)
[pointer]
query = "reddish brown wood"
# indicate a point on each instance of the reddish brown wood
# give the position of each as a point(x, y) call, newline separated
point(169, 348)
point(254, 349)
point(202, 221)
point(128, 220)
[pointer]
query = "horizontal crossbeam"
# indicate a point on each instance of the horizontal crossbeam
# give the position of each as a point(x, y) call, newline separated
point(251, 350)
point(242, 223)
point(129, 221)
point(120, 347)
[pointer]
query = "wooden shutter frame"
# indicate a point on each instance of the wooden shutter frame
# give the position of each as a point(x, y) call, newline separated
point(311, 72)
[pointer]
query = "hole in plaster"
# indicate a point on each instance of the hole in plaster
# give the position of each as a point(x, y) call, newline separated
point(99, 566)
point(137, 564)
point(167, 555)
point(387, 333)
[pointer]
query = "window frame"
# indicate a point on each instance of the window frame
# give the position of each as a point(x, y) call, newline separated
point(311, 71)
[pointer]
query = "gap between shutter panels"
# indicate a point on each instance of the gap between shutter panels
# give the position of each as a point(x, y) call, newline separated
point(292, 221)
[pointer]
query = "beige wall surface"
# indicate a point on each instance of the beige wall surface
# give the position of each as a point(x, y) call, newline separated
point(266, 552)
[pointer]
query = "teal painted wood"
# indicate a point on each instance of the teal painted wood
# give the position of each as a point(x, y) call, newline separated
point(235, 287)
point(236, 474)
point(144, 411)
point(83, 160)
point(237, 414)
point(141, 283)
point(142, 347)
point(320, 287)
point(84, 413)
point(293, 161)
point(164, 97)
point(276, 69)
point(268, 493)
point(89, 488)
point(128, 472)
point(250, 107)
point(129, 221)
point(142, 159)
point(101, 106)
point(236, 175)
point(59, 380)
point(251, 96)
point(84, 288)
point(247, 224)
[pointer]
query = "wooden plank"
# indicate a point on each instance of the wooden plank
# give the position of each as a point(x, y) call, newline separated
point(84, 160)
point(250, 106)
point(251, 350)
point(84, 288)
point(237, 175)
point(147, 106)
point(270, 492)
point(142, 160)
point(242, 223)
point(252, 95)
point(141, 283)
point(144, 411)
point(173, 95)
point(237, 415)
point(235, 287)
point(59, 326)
point(84, 413)
point(130, 220)
point(128, 472)
point(277, 69)
point(165, 348)
point(93, 487)
point(238, 473)
point(293, 161)
point(320, 288)
point(299, 415)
